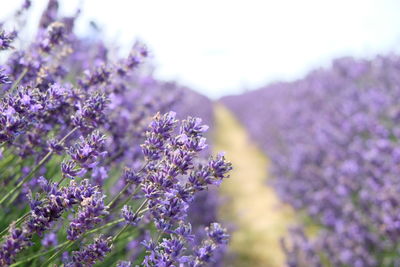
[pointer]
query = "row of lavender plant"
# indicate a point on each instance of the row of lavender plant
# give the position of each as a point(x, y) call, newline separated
point(89, 175)
point(333, 138)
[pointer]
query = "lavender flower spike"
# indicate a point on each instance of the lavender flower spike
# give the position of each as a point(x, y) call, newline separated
point(92, 253)
point(4, 79)
point(130, 216)
point(6, 39)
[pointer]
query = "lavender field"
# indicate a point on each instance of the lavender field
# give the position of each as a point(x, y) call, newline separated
point(105, 163)
point(332, 138)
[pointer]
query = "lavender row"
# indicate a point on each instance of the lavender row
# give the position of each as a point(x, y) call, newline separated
point(333, 140)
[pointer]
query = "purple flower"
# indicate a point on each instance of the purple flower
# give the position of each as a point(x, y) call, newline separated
point(131, 177)
point(71, 170)
point(219, 167)
point(193, 127)
point(50, 240)
point(4, 79)
point(163, 125)
point(164, 254)
point(171, 179)
point(91, 113)
point(129, 216)
point(206, 252)
point(90, 213)
point(13, 244)
point(99, 175)
point(124, 264)
point(55, 146)
point(88, 150)
point(92, 253)
point(49, 15)
point(6, 39)
point(203, 254)
point(217, 234)
point(100, 75)
point(53, 36)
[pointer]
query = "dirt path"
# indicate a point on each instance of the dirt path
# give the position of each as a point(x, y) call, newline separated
point(259, 217)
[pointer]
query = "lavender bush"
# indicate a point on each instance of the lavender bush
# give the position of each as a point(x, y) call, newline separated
point(333, 138)
point(95, 168)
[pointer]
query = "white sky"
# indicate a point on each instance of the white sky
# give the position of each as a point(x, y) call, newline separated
point(221, 47)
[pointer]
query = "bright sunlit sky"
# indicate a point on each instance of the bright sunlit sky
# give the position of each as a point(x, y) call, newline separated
point(221, 47)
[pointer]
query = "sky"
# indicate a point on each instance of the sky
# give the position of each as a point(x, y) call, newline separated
point(223, 47)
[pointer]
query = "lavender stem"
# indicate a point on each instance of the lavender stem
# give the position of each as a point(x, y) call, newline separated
point(34, 170)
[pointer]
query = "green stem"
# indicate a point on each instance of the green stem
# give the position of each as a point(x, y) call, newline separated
point(62, 180)
point(69, 243)
point(104, 226)
point(111, 159)
point(112, 202)
point(120, 232)
point(34, 170)
point(10, 167)
point(129, 197)
point(38, 255)
point(65, 246)
point(134, 216)
point(19, 79)
point(158, 237)
point(16, 223)
point(5, 162)
point(128, 184)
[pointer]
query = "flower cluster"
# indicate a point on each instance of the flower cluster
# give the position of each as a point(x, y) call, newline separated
point(92, 253)
point(45, 211)
point(172, 178)
point(82, 154)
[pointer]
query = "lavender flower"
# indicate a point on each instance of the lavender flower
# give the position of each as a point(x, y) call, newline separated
point(160, 129)
point(91, 211)
point(131, 177)
point(4, 79)
point(6, 39)
point(164, 254)
point(205, 253)
point(52, 37)
point(86, 152)
point(91, 112)
point(129, 216)
point(44, 213)
point(49, 15)
point(100, 75)
point(50, 240)
point(13, 244)
point(71, 170)
point(99, 175)
point(124, 264)
point(217, 234)
point(92, 253)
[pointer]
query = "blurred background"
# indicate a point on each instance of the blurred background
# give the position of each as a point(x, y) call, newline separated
point(225, 47)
